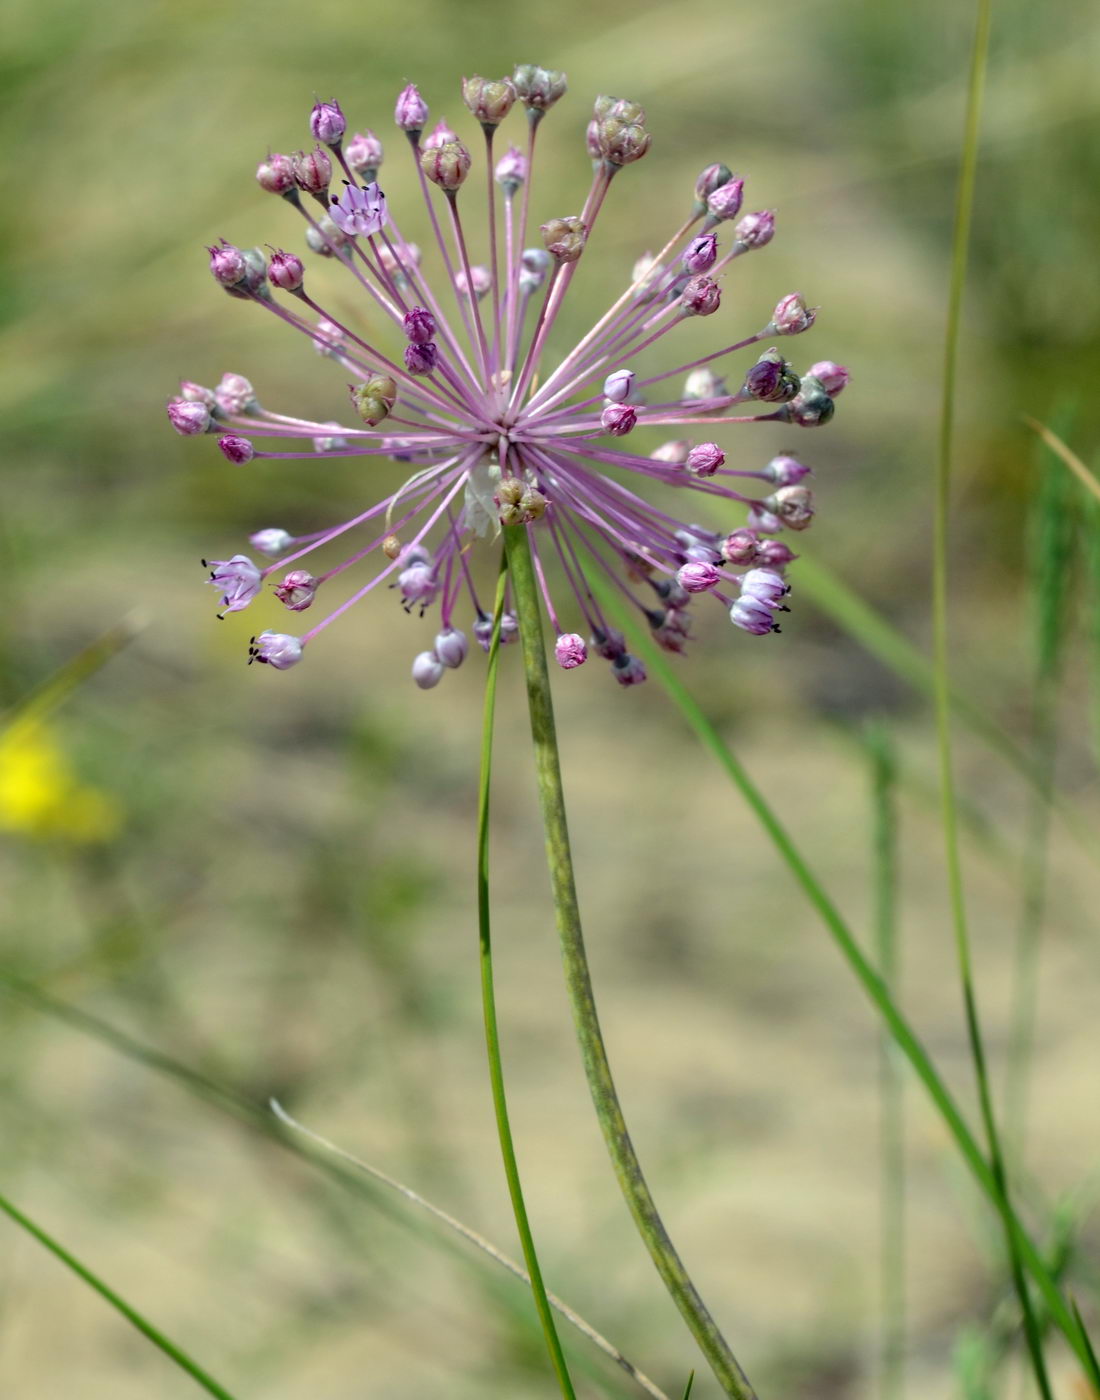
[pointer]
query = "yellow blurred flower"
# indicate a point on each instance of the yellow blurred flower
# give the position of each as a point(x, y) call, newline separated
point(41, 796)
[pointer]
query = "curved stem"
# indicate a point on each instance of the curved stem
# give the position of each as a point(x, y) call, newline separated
point(624, 1159)
point(488, 1000)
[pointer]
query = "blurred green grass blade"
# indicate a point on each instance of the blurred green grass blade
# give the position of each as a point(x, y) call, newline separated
point(688, 1387)
point(55, 689)
point(131, 1314)
point(875, 989)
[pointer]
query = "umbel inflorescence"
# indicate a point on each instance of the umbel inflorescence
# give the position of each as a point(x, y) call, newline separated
point(452, 375)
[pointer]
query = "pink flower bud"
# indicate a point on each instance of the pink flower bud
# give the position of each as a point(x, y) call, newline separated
point(754, 230)
point(238, 580)
point(832, 377)
point(710, 179)
point(511, 170)
point(618, 419)
point(411, 111)
point(440, 134)
point(427, 670)
point(447, 166)
point(610, 645)
point(704, 384)
point(188, 417)
point(297, 590)
point(276, 175)
point(235, 394)
point(419, 325)
point(421, 359)
point(741, 547)
point(792, 316)
point(628, 670)
point(227, 264)
point(775, 554)
point(286, 271)
point(327, 124)
point(702, 253)
point(570, 651)
point(762, 520)
point(725, 201)
point(697, 577)
point(617, 385)
point(786, 471)
point(771, 379)
point(451, 647)
point(363, 153)
point(237, 450)
point(701, 297)
point(675, 453)
point(313, 171)
point(276, 649)
point(480, 278)
point(704, 459)
point(197, 393)
point(271, 542)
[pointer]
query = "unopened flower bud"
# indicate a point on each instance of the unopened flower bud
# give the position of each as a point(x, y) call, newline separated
point(313, 171)
point(237, 450)
point(701, 296)
point(480, 280)
point(754, 230)
point(762, 520)
point(364, 154)
point(701, 254)
point(741, 547)
point(276, 175)
point(327, 124)
point(703, 384)
point(698, 578)
point(725, 201)
point(786, 471)
point(271, 541)
point(446, 166)
point(421, 359)
point(451, 647)
point(794, 506)
point(674, 452)
point(297, 590)
point(570, 651)
point(618, 419)
point(330, 442)
point(832, 377)
point(276, 649)
point(771, 379)
point(324, 238)
point(427, 670)
point(328, 339)
point(644, 275)
point(766, 586)
point(235, 395)
point(188, 417)
point(792, 316)
point(713, 177)
point(511, 170)
point(565, 238)
point(489, 100)
point(440, 134)
point(618, 109)
point(237, 579)
point(227, 264)
point(534, 264)
point(197, 393)
point(705, 458)
point(411, 111)
point(374, 399)
point(775, 554)
point(609, 645)
point(286, 271)
point(537, 88)
point(753, 616)
point(592, 141)
point(617, 385)
point(812, 407)
point(622, 142)
point(628, 670)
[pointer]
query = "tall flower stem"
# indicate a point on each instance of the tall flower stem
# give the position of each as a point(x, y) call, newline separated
point(624, 1159)
point(492, 1033)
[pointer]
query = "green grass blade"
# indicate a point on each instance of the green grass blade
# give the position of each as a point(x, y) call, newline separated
point(131, 1314)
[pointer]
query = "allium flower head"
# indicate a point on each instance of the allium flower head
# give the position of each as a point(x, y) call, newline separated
point(456, 370)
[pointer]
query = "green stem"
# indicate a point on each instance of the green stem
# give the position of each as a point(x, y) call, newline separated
point(892, 1120)
point(942, 689)
point(624, 1159)
point(488, 1001)
point(146, 1328)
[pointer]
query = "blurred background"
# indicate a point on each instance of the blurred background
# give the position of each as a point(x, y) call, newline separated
point(268, 878)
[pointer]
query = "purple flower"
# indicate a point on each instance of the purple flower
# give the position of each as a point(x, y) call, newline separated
point(461, 373)
point(359, 211)
point(238, 579)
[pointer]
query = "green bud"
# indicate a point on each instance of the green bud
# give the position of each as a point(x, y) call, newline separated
point(374, 399)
